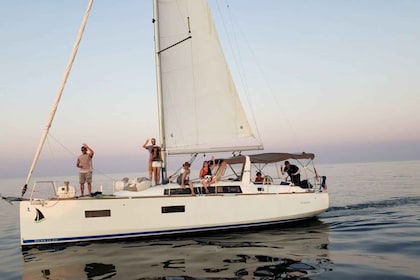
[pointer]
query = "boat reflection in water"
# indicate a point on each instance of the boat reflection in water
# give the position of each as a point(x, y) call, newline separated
point(297, 251)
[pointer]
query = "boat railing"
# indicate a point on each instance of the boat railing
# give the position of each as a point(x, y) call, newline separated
point(43, 190)
point(313, 183)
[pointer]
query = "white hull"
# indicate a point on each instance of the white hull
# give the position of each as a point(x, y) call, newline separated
point(65, 220)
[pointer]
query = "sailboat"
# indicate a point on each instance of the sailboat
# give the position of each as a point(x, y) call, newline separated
point(190, 69)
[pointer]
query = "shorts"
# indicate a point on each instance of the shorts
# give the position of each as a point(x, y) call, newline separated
point(179, 180)
point(85, 177)
point(156, 163)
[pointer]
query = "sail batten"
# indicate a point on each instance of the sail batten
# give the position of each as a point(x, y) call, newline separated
point(202, 108)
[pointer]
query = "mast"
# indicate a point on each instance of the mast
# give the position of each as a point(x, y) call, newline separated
point(159, 89)
point(58, 97)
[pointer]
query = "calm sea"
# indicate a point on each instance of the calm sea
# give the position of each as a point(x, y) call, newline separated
point(371, 231)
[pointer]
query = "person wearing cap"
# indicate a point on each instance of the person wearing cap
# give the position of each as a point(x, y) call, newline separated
point(84, 163)
point(155, 161)
point(184, 177)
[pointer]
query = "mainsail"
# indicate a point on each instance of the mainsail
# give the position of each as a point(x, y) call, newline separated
point(199, 104)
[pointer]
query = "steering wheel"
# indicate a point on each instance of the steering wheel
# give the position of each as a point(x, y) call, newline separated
point(267, 180)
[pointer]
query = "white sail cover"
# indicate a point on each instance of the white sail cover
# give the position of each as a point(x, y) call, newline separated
point(200, 107)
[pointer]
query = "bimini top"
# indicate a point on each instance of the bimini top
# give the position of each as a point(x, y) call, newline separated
point(270, 157)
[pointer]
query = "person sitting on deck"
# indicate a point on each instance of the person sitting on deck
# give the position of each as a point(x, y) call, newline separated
point(184, 177)
point(259, 179)
point(206, 173)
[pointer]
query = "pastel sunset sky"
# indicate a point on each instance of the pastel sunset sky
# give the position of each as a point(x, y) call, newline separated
point(337, 78)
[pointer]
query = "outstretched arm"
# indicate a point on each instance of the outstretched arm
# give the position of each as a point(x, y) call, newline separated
point(145, 143)
point(213, 164)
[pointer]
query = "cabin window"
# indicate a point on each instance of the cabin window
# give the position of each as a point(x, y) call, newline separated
point(173, 209)
point(185, 191)
point(229, 189)
point(220, 189)
point(97, 213)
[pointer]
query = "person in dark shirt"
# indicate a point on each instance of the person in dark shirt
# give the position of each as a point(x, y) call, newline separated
point(293, 171)
point(155, 160)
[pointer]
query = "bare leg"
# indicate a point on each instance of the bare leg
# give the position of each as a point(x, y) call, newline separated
point(205, 185)
point(90, 188)
point(158, 176)
point(82, 188)
point(150, 170)
point(191, 188)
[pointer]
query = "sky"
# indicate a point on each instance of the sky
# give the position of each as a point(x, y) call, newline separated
point(337, 78)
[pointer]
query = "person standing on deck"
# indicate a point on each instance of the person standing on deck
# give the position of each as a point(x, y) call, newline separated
point(293, 171)
point(155, 160)
point(84, 163)
point(149, 163)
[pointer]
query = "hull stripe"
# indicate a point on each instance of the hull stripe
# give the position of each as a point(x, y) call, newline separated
point(150, 233)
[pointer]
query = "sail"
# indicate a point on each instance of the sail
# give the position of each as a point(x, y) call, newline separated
point(200, 107)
